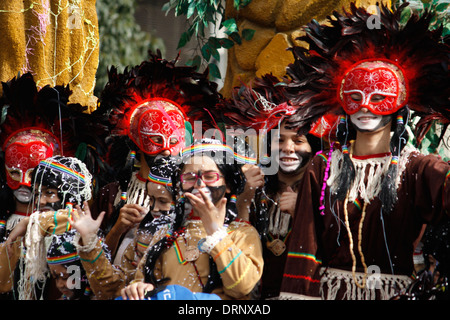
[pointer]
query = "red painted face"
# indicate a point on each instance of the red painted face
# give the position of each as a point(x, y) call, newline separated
point(376, 85)
point(23, 153)
point(158, 125)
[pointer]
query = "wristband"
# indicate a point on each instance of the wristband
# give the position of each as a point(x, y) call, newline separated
point(208, 243)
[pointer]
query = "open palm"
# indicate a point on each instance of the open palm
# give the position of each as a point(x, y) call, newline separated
point(83, 222)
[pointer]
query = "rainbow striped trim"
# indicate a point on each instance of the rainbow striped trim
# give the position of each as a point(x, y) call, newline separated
point(399, 119)
point(159, 180)
point(344, 149)
point(233, 198)
point(357, 204)
point(178, 252)
point(446, 178)
point(247, 268)
point(342, 119)
point(87, 291)
point(394, 160)
point(231, 262)
point(205, 147)
point(303, 255)
point(324, 157)
point(67, 258)
point(2, 223)
point(62, 168)
point(123, 196)
point(244, 159)
point(295, 276)
point(142, 244)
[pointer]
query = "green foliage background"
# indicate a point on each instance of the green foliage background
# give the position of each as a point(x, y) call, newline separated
point(122, 41)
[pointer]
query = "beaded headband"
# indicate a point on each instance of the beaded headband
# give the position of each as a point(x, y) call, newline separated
point(213, 147)
point(64, 259)
point(159, 180)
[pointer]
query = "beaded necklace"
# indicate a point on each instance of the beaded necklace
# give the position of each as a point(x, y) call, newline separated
point(350, 238)
point(347, 224)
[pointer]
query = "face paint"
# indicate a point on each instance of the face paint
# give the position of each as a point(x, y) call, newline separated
point(23, 194)
point(53, 206)
point(369, 122)
point(47, 199)
point(293, 162)
point(214, 194)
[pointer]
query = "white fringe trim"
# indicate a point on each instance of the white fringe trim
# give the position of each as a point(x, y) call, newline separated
point(385, 286)
point(35, 259)
point(377, 168)
point(12, 221)
point(136, 192)
point(294, 296)
point(87, 247)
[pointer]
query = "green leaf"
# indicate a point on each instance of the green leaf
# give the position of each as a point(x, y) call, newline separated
point(236, 37)
point(215, 53)
point(206, 51)
point(442, 7)
point(230, 25)
point(226, 43)
point(191, 9)
point(214, 72)
point(184, 39)
point(405, 15)
point(214, 42)
point(166, 7)
point(248, 34)
point(197, 62)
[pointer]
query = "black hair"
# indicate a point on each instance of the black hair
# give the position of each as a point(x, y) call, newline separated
point(235, 180)
point(69, 188)
point(347, 173)
point(388, 193)
point(122, 158)
point(60, 245)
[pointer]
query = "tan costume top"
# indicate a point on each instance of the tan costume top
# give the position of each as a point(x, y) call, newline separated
point(238, 257)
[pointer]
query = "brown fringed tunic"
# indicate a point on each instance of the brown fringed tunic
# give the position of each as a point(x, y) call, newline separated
point(319, 263)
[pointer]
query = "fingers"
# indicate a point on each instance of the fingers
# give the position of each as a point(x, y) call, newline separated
point(205, 198)
point(287, 202)
point(135, 208)
point(131, 214)
point(254, 176)
point(136, 291)
point(193, 199)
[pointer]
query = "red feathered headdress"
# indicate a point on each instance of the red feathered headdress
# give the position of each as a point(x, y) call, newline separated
point(263, 106)
point(31, 126)
point(152, 103)
point(407, 63)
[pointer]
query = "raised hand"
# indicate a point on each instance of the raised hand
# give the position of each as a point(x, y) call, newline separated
point(213, 216)
point(83, 222)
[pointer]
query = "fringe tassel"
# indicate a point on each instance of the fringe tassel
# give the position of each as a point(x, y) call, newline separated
point(35, 269)
point(13, 221)
point(136, 192)
point(368, 174)
point(378, 287)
